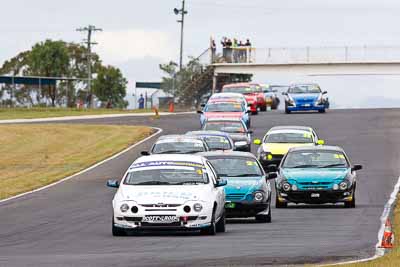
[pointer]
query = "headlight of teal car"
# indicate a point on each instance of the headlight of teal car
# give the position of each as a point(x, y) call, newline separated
point(286, 186)
point(258, 196)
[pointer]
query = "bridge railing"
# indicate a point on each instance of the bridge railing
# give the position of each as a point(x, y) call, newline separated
point(300, 55)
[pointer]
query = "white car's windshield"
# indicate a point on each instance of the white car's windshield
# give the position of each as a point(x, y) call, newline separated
point(315, 159)
point(301, 138)
point(178, 147)
point(167, 176)
point(236, 167)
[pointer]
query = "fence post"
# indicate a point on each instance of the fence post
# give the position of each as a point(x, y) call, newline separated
point(308, 54)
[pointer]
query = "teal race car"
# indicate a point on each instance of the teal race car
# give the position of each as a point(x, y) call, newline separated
point(248, 189)
point(316, 175)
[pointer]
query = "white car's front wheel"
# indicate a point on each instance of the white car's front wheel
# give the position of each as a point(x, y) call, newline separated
point(212, 229)
point(221, 224)
point(116, 231)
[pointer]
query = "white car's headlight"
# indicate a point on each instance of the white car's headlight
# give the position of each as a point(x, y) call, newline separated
point(240, 143)
point(258, 196)
point(124, 207)
point(197, 207)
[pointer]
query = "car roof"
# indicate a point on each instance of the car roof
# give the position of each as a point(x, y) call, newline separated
point(227, 153)
point(224, 100)
point(180, 137)
point(302, 84)
point(171, 157)
point(217, 95)
point(291, 127)
point(219, 133)
point(278, 131)
point(239, 85)
point(317, 148)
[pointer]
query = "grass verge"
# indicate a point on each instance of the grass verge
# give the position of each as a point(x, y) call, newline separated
point(34, 113)
point(32, 156)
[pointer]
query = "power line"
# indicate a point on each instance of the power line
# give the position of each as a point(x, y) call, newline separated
point(90, 29)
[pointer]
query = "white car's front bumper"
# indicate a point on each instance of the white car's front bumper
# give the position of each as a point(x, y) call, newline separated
point(184, 220)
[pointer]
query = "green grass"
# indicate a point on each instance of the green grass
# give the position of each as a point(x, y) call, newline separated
point(33, 113)
point(32, 156)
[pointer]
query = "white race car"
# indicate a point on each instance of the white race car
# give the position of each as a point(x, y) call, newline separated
point(176, 192)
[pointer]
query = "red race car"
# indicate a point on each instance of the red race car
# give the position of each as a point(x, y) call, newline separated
point(252, 92)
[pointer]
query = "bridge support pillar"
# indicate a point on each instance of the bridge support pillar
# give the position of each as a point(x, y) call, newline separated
point(214, 83)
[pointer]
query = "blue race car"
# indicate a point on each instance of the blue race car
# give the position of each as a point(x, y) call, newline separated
point(316, 175)
point(248, 191)
point(305, 97)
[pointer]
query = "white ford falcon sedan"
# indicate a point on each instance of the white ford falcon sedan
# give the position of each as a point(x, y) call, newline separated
point(173, 192)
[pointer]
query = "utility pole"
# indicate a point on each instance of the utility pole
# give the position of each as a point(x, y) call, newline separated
point(182, 12)
point(90, 29)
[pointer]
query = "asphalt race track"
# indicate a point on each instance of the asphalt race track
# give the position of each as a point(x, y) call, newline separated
point(70, 224)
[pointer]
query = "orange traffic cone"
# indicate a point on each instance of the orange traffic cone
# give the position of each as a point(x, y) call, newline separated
point(171, 106)
point(156, 114)
point(155, 111)
point(387, 240)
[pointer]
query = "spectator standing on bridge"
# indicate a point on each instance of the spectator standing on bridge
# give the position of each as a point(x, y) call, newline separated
point(248, 50)
point(241, 51)
point(223, 43)
point(141, 101)
point(228, 48)
point(235, 50)
point(248, 44)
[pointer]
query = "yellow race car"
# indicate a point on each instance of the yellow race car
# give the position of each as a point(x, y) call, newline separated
point(278, 140)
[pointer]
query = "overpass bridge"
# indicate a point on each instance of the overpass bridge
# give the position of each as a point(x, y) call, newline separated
point(346, 60)
point(308, 61)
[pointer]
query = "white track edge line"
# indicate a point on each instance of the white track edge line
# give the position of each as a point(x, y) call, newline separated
point(379, 252)
point(159, 130)
point(89, 117)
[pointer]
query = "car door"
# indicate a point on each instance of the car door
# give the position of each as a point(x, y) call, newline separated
point(218, 192)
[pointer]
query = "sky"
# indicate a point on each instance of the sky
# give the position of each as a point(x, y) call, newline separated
point(138, 35)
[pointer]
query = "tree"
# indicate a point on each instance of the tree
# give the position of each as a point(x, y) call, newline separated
point(110, 87)
point(188, 83)
point(168, 83)
point(51, 59)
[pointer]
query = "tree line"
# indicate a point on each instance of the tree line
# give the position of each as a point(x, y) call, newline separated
point(61, 59)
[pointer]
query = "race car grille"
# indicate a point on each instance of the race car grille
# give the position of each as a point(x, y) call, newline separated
point(160, 209)
point(316, 186)
point(311, 183)
point(160, 205)
point(235, 196)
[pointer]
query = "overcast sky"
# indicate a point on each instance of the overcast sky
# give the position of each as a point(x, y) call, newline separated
point(138, 35)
